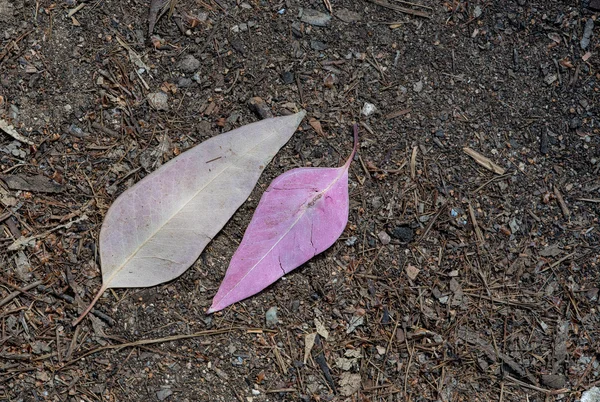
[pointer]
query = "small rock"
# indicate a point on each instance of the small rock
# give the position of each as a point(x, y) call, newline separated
point(189, 64)
point(403, 233)
point(477, 12)
point(412, 272)
point(347, 15)
point(164, 394)
point(368, 109)
point(13, 112)
point(587, 33)
point(158, 100)
point(440, 134)
point(318, 45)
point(418, 86)
point(271, 317)
point(384, 238)
point(377, 202)
point(288, 77)
point(591, 395)
point(314, 17)
point(554, 381)
point(258, 106)
point(184, 82)
point(351, 241)
point(575, 123)
point(550, 78)
point(544, 142)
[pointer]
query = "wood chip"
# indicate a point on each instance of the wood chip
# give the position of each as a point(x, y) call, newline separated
point(484, 161)
point(400, 9)
point(413, 163)
point(37, 184)
point(397, 113)
point(561, 202)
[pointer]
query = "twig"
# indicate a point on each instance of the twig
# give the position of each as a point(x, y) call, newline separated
point(159, 340)
point(71, 300)
point(484, 161)
point(431, 223)
point(545, 391)
point(276, 391)
point(475, 225)
point(19, 289)
point(24, 241)
point(414, 4)
point(105, 130)
point(400, 9)
point(14, 294)
point(320, 359)
point(594, 200)
point(561, 202)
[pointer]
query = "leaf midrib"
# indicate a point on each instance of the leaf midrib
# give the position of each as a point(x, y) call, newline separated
point(137, 250)
point(343, 169)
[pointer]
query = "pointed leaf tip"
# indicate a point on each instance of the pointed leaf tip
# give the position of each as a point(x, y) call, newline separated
point(301, 214)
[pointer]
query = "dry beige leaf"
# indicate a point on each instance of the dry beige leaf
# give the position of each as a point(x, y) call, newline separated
point(309, 342)
point(10, 130)
point(316, 125)
point(484, 161)
point(321, 330)
point(412, 272)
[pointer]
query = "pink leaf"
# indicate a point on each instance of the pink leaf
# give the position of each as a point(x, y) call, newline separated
point(302, 213)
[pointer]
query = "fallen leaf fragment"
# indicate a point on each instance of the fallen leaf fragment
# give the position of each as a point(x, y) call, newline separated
point(316, 125)
point(321, 330)
point(349, 383)
point(301, 214)
point(156, 229)
point(412, 272)
point(36, 184)
point(484, 161)
point(10, 130)
point(309, 343)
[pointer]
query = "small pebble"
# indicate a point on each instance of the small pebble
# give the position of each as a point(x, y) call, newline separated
point(587, 33)
point(271, 317)
point(368, 109)
point(288, 77)
point(575, 123)
point(403, 233)
point(258, 106)
point(184, 82)
point(384, 238)
point(318, 45)
point(189, 64)
point(158, 100)
point(164, 394)
point(314, 17)
point(418, 86)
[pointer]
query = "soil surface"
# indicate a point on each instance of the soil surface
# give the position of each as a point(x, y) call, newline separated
point(453, 281)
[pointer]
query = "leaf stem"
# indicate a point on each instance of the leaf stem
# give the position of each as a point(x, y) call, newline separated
point(355, 127)
point(89, 308)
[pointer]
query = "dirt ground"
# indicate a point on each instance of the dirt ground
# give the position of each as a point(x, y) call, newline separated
point(453, 281)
